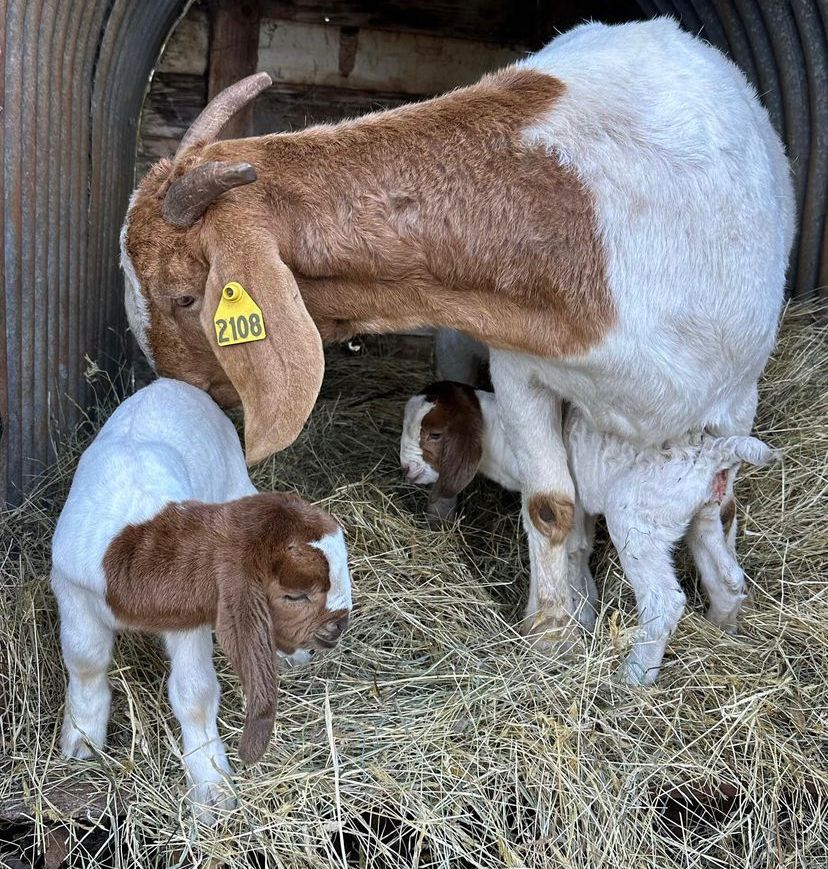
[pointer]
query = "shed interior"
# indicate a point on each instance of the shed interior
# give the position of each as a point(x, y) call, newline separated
point(444, 727)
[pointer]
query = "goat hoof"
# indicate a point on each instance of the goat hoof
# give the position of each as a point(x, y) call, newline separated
point(555, 633)
point(73, 744)
point(727, 620)
point(210, 800)
point(586, 616)
point(441, 510)
point(636, 673)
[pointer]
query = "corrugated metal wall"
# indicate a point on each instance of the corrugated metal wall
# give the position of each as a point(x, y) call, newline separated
point(75, 72)
point(782, 47)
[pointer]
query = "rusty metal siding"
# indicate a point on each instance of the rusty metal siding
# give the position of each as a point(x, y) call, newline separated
point(74, 76)
point(73, 82)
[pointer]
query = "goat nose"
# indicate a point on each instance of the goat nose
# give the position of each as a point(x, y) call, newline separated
point(341, 625)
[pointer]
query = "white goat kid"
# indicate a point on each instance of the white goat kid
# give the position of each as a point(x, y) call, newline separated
point(161, 531)
point(649, 496)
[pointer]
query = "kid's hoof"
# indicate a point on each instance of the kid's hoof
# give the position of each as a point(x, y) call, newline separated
point(554, 633)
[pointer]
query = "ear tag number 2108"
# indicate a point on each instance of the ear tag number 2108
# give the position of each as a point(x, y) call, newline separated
point(238, 319)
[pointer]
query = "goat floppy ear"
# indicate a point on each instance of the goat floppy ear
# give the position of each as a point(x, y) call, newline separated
point(245, 631)
point(460, 456)
point(278, 378)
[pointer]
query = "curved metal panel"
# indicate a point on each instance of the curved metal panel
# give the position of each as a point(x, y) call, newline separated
point(768, 75)
point(74, 77)
point(791, 65)
point(815, 50)
point(782, 49)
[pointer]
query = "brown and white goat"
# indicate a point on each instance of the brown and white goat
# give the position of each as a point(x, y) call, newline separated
point(649, 497)
point(134, 550)
point(614, 234)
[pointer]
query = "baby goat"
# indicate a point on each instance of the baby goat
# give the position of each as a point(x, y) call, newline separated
point(649, 497)
point(163, 531)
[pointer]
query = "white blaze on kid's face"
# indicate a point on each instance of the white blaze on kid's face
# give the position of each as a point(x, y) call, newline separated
point(336, 552)
point(417, 470)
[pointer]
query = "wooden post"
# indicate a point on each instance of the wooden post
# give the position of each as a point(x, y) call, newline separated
point(234, 54)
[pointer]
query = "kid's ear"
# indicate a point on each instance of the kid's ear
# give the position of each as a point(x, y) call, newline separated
point(244, 629)
point(462, 450)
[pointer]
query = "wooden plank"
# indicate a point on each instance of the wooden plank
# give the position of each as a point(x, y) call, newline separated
point(188, 45)
point(522, 24)
point(175, 100)
point(371, 59)
point(172, 104)
point(295, 106)
point(234, 54)
point(62, 799)
point(518, 23)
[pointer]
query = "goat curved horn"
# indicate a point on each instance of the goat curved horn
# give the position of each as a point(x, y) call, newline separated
point(221, 108)
point(190, 195)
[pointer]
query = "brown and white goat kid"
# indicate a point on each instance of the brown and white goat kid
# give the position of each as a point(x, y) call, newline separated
point(649, 497)
point(611, 215)
point(163, 531)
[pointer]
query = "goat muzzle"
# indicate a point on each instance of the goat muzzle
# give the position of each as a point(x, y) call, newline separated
point(328, 635)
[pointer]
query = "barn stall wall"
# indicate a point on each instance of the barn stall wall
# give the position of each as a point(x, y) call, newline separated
point(75, 76)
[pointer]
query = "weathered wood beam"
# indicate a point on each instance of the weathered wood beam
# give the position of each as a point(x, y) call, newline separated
point(175, 100)
point(519, 23)
point(234, 54)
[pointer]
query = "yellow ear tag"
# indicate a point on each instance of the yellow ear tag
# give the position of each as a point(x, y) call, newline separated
point(238, 319)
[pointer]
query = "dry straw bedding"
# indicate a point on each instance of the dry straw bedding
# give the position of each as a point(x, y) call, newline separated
point(435, 736)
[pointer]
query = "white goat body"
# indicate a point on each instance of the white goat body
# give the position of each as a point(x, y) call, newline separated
point(649, 496)
point(167, 444)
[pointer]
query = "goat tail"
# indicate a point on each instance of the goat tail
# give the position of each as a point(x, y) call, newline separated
point(743, 448)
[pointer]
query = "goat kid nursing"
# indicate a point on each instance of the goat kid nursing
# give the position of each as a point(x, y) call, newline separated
point(650, 497)
point(163, 531)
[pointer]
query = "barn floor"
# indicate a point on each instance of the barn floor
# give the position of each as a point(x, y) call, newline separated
point(435, 736)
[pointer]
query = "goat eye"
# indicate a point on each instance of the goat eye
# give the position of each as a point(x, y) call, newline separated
point(296, 598)
point(435, 435)
point(184, 301)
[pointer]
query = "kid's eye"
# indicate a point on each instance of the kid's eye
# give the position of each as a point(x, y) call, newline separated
point(435, 435)
point(296, 598)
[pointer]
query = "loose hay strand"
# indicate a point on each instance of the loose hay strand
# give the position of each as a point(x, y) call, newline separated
point(435, 736)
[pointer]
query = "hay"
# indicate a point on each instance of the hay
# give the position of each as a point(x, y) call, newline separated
point(435, 736)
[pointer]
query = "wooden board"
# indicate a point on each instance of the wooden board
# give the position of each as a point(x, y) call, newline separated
point(234, 52)
point(520, 23)
point(294, 106)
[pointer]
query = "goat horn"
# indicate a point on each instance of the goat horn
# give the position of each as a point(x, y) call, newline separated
point(207, 126)
point(190, 195)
